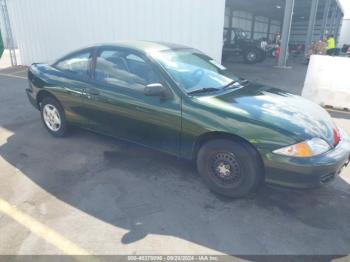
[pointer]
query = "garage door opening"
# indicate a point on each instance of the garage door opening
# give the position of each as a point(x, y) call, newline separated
point(252, 30)
point(255, 30)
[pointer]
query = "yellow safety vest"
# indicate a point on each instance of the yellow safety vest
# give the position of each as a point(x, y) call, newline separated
point(331, 43)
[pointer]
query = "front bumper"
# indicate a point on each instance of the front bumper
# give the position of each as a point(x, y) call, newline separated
point(31, 98)
point(308, 172)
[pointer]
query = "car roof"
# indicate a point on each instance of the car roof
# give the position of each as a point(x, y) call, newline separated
point(146, 46)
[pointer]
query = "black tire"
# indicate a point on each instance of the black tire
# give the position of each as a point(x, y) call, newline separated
point(251, 56)
point(50, 102)
point(246, 169)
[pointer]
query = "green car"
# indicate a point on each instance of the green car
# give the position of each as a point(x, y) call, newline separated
point(178, 100)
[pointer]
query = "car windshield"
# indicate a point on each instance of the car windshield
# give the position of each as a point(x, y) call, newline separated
point(193, 70)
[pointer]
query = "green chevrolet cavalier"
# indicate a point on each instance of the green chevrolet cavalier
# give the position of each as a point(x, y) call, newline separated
point(178, 100)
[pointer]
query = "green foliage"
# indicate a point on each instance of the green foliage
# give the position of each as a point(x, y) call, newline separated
point(1, 45)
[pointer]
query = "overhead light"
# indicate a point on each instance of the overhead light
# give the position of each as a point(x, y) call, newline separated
point(278, 6)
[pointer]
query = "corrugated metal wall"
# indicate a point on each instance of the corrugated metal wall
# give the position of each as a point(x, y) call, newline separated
point(244, 20)
point(45, 30)
point(299, 31)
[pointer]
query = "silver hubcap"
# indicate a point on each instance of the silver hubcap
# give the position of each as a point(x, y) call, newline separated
point(52, 117)
point(223, 170)
point(251, 56)
point(226, 168)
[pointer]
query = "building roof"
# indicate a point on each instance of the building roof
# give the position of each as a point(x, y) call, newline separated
point(275, 8)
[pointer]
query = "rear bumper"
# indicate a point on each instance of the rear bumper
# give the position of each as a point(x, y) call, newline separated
point(31, 98)
point(309, 172)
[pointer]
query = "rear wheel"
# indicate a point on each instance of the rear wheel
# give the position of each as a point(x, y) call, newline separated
point(251, 56)
point(53, 117)
point(229, 168)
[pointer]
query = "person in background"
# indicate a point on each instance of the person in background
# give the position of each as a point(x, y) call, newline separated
point(1, 46)
point(277, 38)
point(330, 45)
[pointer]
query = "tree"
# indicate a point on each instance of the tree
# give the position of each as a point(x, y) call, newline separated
point(1, 46)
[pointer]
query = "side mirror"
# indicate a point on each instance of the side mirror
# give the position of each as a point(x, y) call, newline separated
point(155, 89)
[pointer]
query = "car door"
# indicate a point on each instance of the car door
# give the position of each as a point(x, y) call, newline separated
point(73, 77)
point(120, 107)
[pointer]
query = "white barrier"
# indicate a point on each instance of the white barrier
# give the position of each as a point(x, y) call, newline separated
point(328, 81)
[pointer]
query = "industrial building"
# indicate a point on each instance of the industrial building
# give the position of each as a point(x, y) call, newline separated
point(44, 30)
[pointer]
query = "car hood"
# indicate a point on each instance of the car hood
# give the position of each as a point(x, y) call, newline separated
point(291, 114)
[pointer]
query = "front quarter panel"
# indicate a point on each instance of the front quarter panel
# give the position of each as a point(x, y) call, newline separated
point(207, 114)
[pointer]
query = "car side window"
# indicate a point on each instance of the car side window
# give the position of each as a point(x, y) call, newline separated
point(77, 64)
point(141, 68)
point(125, 69)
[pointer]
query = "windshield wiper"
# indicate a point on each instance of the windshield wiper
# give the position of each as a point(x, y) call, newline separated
point(244, 82)
point(229, 84)
point(233, 83)
point(203, 90)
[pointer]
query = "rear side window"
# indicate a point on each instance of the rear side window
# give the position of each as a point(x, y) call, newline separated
point(77, 64)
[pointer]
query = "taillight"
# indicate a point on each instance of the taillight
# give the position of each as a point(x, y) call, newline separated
point(336, 136)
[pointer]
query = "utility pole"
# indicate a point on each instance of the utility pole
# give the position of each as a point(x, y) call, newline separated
point(326, 10)
point(312, 21)
point(287, 24)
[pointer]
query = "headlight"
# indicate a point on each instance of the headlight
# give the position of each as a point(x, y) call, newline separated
point(309, 148)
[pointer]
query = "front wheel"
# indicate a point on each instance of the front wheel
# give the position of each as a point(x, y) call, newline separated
point(251, 56)
point(53, 117)
point(230, 168)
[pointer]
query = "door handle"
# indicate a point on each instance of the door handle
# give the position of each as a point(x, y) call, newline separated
point(73, 92)
point(94, 92)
